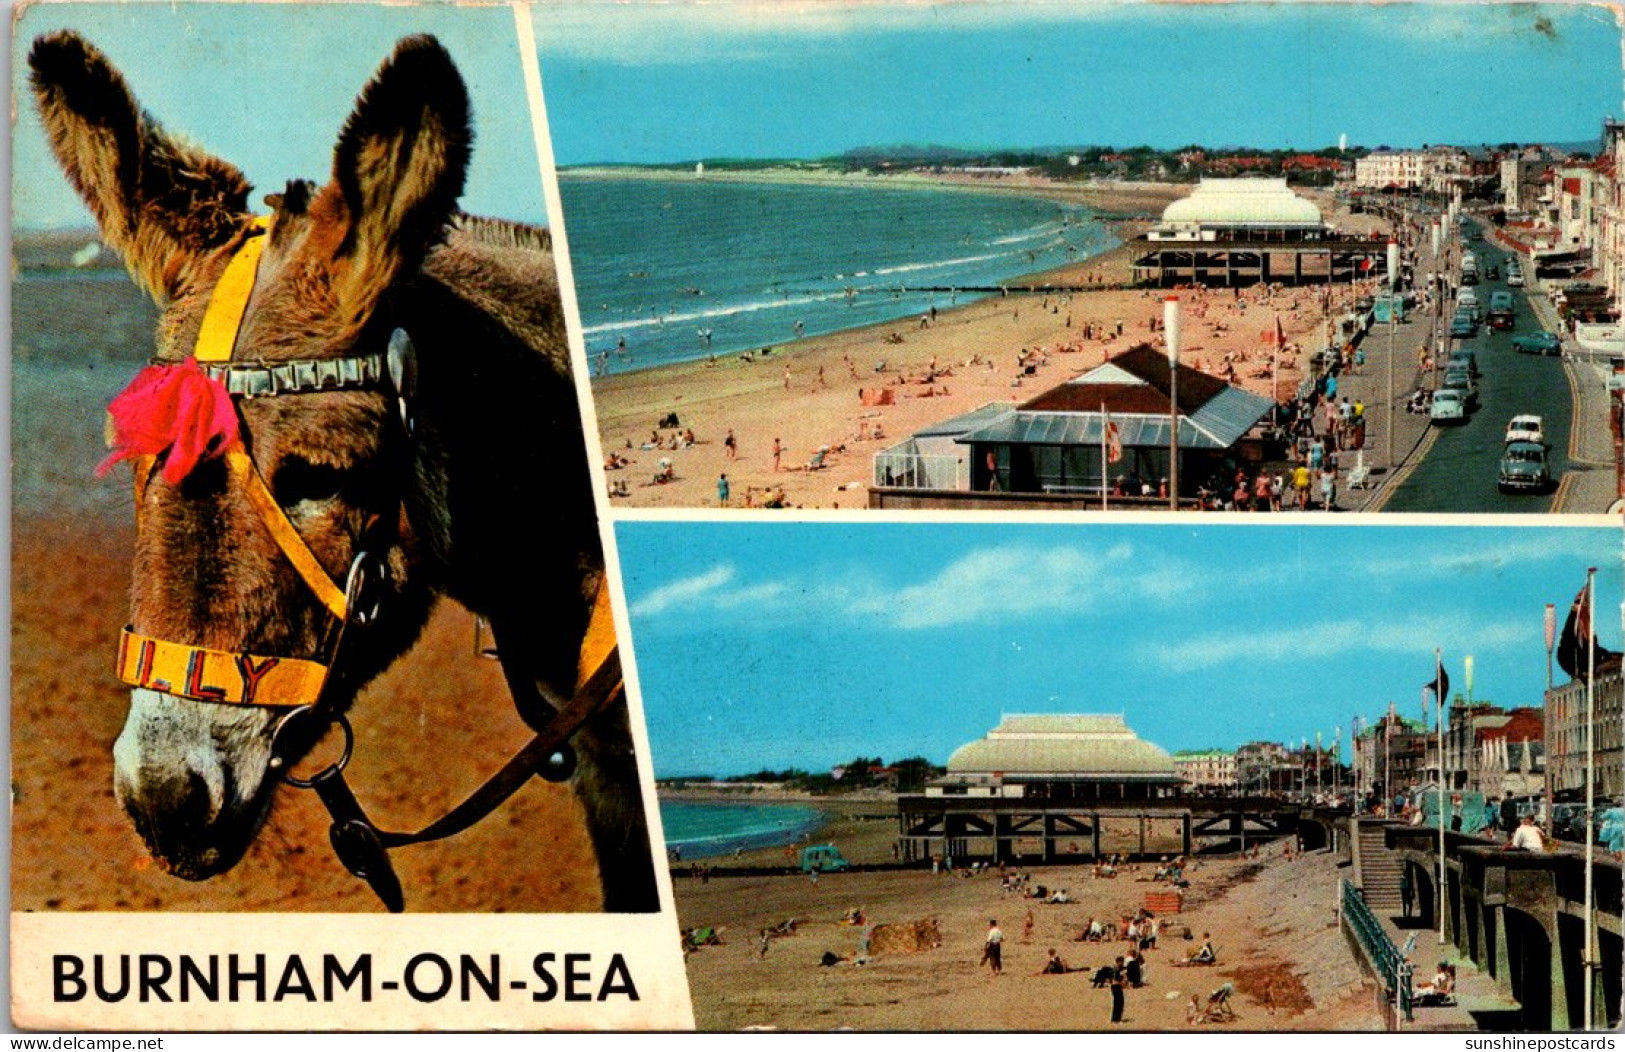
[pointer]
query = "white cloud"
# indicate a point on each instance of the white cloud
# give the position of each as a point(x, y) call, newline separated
point(1325, 639)
point(1503, 550)
point(686, 591)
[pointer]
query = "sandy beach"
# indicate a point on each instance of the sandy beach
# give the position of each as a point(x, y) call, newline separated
point(807, 394)
point(1271, 921)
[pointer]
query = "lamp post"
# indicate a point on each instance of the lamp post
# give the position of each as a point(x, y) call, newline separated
point(1393, 307)
point(1170, 332)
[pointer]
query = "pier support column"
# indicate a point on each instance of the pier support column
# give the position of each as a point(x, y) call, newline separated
point(1501, 961)
point(1185, 837)
point(1049, 838)
point(1560, 983)
point(1142, 836)
point(1094, 835)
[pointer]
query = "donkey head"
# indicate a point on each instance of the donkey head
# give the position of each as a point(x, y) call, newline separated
point(193, 775)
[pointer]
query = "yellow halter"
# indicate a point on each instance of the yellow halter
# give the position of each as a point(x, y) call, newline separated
point(223, 677)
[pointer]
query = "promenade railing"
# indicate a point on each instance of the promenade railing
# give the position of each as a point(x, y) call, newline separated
point(1393, 969)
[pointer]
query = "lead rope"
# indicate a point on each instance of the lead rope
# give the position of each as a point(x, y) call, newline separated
point(364, 849)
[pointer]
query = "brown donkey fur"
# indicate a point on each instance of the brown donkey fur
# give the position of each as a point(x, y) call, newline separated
point(488, 499)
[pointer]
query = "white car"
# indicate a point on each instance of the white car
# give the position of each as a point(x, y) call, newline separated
point(1526, 428)
point(1449, 406)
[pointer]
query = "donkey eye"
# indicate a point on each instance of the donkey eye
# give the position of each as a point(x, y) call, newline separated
point(299, 480)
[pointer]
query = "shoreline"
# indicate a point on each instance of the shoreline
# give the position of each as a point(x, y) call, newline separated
point(857, 392)
point(1110, 199)
point(838, 816)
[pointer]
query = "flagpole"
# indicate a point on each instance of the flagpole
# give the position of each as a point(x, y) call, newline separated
point(1441, 897)
point(1104, 425)
point(1591, 786)
point(1170, 333)
point(1546, 713)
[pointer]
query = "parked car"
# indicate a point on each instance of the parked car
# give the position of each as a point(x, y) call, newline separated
point(1449, 407)
point(1526, 427)
point(1461, 379)
point(1464, 358)
point(823, 858)
point(1524, 468)
point(1514, 278)
point(1492, 272)
point(1537, 343)
point(1463, 326)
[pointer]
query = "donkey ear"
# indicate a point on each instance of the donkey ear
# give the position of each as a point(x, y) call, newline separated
point(159, 202)
point(400, 165)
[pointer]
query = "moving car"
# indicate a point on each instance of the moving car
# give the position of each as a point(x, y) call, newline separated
point(1501, 314)
point(1526, 427)
point(1492, 272)
point(1514, 278)
point(1537, 343)
point(1523, 468)
point(1449, 407)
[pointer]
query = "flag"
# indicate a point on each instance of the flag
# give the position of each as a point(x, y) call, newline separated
point(1440, 685)
point(1571, 654)
point(1114, 441)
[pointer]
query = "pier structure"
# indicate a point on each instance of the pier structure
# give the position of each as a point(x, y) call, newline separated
point(1015, 830)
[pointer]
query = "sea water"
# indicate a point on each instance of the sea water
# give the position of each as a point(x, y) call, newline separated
point(702, 829)
point(677, 270)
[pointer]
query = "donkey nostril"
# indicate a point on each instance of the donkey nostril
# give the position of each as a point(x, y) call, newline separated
point(207, 784)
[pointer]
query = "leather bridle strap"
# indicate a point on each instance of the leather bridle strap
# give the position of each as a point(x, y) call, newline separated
point(596, 694)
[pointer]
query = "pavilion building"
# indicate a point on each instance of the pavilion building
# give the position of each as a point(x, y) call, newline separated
point(1234, 232)
point(1059, 758)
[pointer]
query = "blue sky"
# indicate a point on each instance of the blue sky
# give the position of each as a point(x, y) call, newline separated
point(779, 644)
point(268, 86)
point(650, 83)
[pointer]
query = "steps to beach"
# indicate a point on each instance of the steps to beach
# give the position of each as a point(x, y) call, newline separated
point(1380, 871)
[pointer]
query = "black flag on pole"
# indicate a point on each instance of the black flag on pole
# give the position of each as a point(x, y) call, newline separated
point(1439, 686)
point(1571, 653)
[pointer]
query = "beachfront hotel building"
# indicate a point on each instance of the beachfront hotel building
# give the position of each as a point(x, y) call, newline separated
point(1054, 451)
point(1206, 768)
point(1234, 232)
point(1566, 734)
point(1059, 758)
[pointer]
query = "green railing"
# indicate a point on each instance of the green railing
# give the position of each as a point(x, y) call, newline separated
point(1392, 966)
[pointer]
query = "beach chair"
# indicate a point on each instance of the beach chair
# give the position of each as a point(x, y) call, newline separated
point(817, 461)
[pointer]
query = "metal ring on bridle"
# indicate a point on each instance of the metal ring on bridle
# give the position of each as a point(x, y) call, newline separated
point(280, 761)
point(364, 588)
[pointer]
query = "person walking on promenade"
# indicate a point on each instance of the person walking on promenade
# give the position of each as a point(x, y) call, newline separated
point(993, 948)
point(1407, 891)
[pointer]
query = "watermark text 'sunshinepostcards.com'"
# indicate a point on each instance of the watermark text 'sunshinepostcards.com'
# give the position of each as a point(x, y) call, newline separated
point(1539, 1044)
